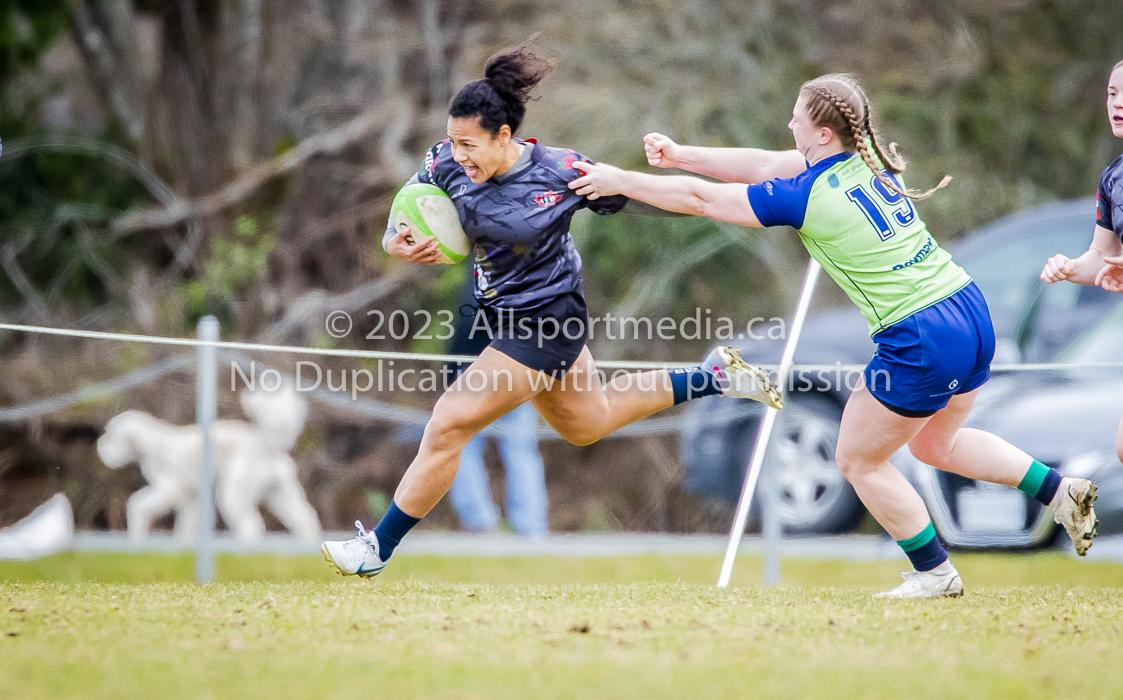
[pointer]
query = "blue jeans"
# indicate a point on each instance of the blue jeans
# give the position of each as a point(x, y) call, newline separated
point(525, 478)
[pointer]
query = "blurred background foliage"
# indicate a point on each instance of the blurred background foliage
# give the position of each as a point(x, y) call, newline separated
point(165, 159)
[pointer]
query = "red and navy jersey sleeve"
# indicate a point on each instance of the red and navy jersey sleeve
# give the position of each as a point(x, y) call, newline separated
point(563, 159)
point(781, 201)
point(435, 168)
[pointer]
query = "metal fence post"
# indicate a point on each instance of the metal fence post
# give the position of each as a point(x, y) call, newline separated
point(206, 410)
point(764, 434)
point(771, 527)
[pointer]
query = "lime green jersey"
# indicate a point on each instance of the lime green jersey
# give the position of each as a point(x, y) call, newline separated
point(867, 237)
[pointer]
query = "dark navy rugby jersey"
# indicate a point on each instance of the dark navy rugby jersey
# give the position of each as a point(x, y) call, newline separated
point(519, 223)
point(1109, 198)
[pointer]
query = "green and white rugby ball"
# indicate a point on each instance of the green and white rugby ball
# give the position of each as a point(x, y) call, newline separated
point(427, 211)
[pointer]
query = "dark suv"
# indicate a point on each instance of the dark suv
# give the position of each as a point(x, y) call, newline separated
point(1033, 322)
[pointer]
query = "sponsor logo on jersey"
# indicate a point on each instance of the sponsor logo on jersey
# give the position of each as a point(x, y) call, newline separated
point(768, 187)
point(920, 256)
point(547, 199)
point(832, 180)
point(430, 161)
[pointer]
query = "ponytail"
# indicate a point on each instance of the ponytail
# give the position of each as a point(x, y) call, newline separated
point(501, 97)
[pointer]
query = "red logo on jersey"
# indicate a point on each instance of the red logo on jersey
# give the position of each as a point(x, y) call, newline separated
point(547, 198)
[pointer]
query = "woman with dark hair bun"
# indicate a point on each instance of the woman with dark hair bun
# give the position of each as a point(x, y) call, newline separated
point(515, 206)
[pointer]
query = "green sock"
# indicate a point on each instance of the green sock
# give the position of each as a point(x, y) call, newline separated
point(1040, 482)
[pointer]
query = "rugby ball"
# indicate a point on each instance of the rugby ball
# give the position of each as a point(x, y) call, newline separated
point(425, 210)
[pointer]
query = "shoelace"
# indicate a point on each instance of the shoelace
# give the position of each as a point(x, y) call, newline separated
point(366, 537)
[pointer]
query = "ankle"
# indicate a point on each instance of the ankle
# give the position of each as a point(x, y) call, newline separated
point(943, 569)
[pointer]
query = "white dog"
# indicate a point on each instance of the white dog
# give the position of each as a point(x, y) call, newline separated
point(252, 466)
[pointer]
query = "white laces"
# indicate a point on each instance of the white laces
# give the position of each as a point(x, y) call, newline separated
point(365, 538)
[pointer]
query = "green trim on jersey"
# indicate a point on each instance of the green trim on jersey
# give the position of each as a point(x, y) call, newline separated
point(889, 265)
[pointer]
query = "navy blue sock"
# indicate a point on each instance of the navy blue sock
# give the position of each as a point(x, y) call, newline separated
point(924, 549)
point(391, 529)
point(693, 383)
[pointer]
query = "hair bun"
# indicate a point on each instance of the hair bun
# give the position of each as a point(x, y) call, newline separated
point(509, 76)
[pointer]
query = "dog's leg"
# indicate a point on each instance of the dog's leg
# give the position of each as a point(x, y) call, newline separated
point(187, 519)
point(238, 505)
point(147, 504)
point(289, 503)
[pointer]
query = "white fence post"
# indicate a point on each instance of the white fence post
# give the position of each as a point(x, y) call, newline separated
point(741, 518)
point(206, 410)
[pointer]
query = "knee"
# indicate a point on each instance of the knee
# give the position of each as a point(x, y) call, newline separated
point(851, 463)
point(929, 452)
point(444, 432)
point(580, 435)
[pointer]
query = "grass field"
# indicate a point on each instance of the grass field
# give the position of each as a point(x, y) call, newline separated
point(113, 626)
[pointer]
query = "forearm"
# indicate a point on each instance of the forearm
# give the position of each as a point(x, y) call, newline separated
point(747, 165)
point(675, 193)
point(644, 209)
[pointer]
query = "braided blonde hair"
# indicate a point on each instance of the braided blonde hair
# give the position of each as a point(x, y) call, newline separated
point(839, 103)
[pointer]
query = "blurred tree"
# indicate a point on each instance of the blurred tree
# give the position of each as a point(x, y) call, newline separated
point(169, 158)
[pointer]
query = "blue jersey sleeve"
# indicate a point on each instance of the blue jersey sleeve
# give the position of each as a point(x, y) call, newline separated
point(781, 202)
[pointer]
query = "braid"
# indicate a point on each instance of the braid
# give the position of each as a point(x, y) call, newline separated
point(861, 128)
point(893, 161)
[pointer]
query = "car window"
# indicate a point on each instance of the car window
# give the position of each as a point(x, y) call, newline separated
point(1101, 343)
point(1004, 273)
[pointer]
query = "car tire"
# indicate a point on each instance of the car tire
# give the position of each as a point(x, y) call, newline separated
point(812, 495)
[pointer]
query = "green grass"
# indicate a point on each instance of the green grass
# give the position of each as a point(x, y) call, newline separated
point(114, 626)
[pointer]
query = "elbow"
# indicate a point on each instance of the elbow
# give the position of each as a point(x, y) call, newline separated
point(698, 205)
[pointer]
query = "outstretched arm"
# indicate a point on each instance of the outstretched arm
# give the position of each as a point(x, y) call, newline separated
point(747, 165)
point(678, 193)
point(1099, 262)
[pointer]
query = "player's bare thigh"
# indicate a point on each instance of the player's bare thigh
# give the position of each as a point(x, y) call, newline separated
point(936, 440)
point(576, 402)
point(491, 387)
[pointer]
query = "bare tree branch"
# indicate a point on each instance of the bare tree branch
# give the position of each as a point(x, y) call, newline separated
point(242, 35)
point(435, 51)
point(310, 311)
point(99, 149)
point(107, 39)
point(249, 181)
point(8, 258)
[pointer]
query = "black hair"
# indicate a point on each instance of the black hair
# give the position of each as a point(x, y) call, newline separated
point(501, 97)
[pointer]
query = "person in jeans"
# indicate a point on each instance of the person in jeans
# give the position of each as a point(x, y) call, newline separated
point(518, 446)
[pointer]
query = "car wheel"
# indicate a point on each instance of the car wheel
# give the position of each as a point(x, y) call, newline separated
point(812, 497)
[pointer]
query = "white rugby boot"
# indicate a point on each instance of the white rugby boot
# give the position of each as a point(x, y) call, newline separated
point(928, 584)
point(357, 557)
point(1072, 508)
point(740, 380)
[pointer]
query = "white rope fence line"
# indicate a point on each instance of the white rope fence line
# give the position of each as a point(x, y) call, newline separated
point(381, 410)
point(433, 357)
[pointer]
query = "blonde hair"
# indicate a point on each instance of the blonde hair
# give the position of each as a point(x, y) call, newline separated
point(1114, 68)
point(838, 102)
